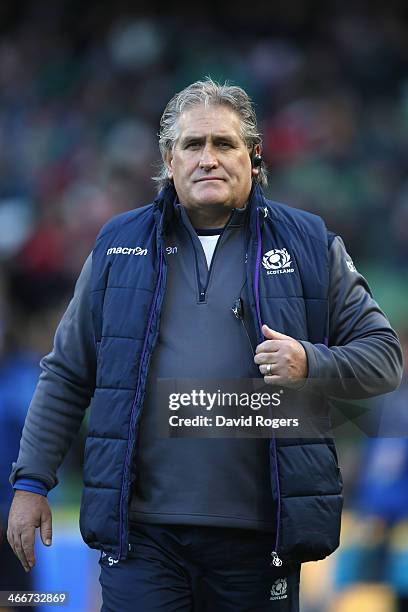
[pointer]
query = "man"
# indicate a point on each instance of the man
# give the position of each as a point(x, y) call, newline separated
point(203, 524)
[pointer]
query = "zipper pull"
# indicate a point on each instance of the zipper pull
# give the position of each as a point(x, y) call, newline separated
point(275, 559)
point(237, 309)
point(262, 213)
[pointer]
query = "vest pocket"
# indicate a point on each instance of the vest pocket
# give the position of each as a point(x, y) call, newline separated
point(310, 527)
point(311, 501)
point(308, 469)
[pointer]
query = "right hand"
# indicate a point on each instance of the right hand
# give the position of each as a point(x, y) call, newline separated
point(28, 511)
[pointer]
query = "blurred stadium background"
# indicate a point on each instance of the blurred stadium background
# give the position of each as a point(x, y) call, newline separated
point(82, 88)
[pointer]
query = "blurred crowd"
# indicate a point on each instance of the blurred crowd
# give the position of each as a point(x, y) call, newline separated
point(81, 97)
point(82, 88)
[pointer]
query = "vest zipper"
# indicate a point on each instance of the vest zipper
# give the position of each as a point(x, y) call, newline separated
point(276, 561)
point(201, 290)
point(203, 293)
point(122, 506)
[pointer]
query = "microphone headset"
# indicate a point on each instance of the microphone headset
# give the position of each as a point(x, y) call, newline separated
point(256, 159)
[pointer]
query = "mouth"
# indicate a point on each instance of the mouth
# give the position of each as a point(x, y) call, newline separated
point(209, 178)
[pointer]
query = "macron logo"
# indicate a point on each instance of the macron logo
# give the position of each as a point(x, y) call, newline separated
point(126, 251)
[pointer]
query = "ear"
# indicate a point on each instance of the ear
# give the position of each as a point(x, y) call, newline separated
point(257, 151)
point(168, 160)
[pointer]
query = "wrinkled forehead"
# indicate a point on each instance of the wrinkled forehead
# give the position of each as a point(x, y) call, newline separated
point(203, 121)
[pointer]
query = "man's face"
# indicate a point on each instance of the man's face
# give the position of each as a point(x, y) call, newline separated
point(210, 163)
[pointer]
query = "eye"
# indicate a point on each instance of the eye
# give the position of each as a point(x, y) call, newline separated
point(225, 145)
point(192, 145)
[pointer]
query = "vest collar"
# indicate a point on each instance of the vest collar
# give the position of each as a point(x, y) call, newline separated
point(166, 208)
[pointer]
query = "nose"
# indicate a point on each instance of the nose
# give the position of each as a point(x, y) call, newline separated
point(208, 159)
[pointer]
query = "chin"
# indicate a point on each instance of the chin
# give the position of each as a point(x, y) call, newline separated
point(212, 196)
point(213, 201)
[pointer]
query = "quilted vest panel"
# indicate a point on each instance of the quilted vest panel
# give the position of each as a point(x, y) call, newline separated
point(125, 309)
point(293, 299)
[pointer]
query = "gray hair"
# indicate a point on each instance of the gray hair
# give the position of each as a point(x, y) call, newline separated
point(208, 93)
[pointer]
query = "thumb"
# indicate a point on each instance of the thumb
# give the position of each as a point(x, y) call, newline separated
point(271, 334)
point(46, 528)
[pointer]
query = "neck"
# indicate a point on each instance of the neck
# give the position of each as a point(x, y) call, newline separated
point(207, 219)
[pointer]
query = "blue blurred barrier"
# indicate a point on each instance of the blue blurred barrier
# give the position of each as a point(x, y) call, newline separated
point(68, 566)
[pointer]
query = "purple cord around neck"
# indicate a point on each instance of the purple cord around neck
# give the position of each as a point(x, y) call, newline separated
point(257, 269)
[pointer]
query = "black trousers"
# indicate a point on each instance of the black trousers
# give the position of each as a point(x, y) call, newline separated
point(184, 568)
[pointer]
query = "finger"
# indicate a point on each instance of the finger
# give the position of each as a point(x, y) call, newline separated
point(262, 358)
point(274, 379)
point(10, 540)
point(18, 549)
point(268, 346)
point(283, 381)
point(27, 541)
point(272, 334)
point(10, 537)
point(46, 528)
point(269, 369)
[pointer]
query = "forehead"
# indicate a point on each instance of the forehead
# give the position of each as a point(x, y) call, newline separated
point(206, 120)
